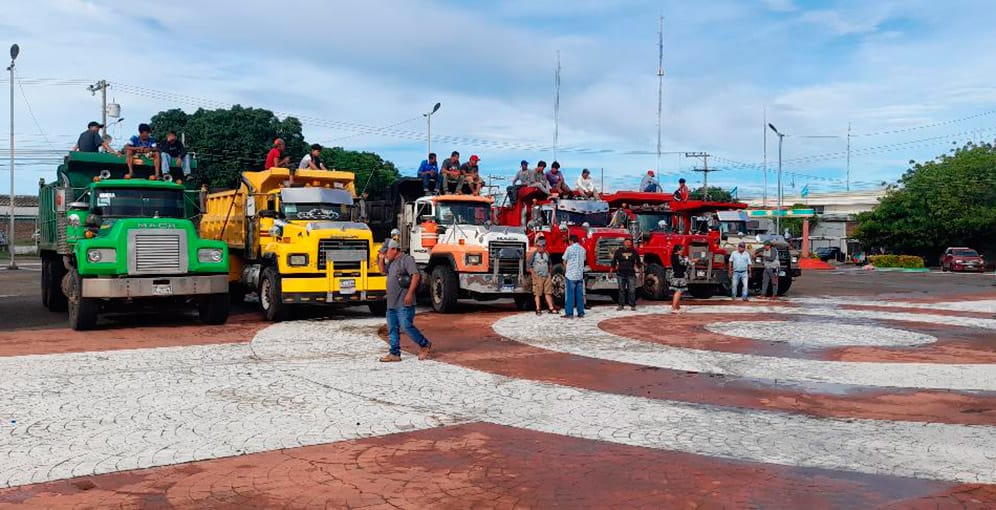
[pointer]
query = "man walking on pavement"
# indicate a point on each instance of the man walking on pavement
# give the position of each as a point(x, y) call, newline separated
point(740, 264)
point(382, 252)
point(624, 264)
point(402, 282)
point(771, 267)
point(539, 269)
point(574, 257)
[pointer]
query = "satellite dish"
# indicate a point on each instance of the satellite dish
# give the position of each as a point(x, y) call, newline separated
point(14, 51)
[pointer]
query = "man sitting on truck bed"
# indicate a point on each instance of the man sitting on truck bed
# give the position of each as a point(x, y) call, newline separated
point(91, 141)
point(173, 149)
point(472, 182)
point(450, 179)
point(313, 159)
point(143, 143)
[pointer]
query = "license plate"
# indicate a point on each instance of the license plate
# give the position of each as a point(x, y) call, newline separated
point(781, 273)
point(508, 288)
point(700, 274)
point(163, 290)
point(347, 287)
point(611, 280)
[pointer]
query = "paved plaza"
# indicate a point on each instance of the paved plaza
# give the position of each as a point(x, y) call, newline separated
point(854, 393)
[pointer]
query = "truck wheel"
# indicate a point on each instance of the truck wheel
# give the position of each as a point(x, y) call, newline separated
point(559, 284)
point(270, 299)
point(46, 280)
point(784, 284)
point(378, 308)
point(82, 311)
point(52, 274)
point(655, 282)
point(443, 289)
point(702, 291)
point(213, 308)
point(236, 293)
point(524, 302)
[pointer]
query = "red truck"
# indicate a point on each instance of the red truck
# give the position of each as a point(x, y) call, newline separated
point(555, 220)
point(659, 223)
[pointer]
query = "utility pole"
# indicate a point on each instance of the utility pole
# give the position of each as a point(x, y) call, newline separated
point(705, 171)
point(428, 128)
point(848, 181)
point(556, 108)
point(660, 87)
point(764, 129)
point(14, 51)
point(102, 87)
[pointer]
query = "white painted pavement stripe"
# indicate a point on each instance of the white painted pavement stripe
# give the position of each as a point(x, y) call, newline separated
point(315, 382)
point(587, 339)
point(968, 305)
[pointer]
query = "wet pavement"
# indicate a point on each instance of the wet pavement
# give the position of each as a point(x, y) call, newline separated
point(863, 390)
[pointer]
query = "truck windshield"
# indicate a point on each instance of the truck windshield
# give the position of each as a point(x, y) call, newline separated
point(649, 222)
point(732, 227)
point(316, 211)
point(448, 213)
point(140, 203)
point(593, 219)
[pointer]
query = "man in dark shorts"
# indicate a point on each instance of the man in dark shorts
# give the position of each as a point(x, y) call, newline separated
point(679, 265)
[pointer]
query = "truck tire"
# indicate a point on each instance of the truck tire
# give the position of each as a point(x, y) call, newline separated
point(82, 311)
point(655, 282)
point(213, 308)
point(784, 284)
point(559, 284)
point(523, 302)
point(702, 291)
point(270, 299)
point(378, 308)
point(444, 289)
point(52, 274)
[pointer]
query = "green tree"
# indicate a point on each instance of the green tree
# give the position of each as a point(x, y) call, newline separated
point(230, 141)
point(794, 225)
point(716, 194)
point(373, 174)
point(950, 201)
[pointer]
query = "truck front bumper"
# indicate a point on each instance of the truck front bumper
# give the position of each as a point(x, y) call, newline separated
point(489, 283)
point(323, 289)
point(595, 282)
point(162, 286)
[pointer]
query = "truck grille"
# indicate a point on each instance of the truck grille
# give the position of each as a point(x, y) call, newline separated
point(784, 257)
point(508, 256)
point(605, 249)
point(158, 253)
point(342, 244)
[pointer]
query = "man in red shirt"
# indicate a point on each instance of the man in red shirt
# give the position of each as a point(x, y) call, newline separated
point(681, 194)
point(276, 158)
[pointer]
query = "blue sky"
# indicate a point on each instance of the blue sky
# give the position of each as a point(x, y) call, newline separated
point(888, 68)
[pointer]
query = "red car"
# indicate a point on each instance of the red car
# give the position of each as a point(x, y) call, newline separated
point(962, 259)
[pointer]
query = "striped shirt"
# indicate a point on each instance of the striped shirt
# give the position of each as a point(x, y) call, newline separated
point(574, 262)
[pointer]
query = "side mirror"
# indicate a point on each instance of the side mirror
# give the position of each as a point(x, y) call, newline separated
point(267, 213)
point(79, 206)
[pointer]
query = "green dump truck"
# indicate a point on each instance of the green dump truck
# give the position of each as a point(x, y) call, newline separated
point(107, 242)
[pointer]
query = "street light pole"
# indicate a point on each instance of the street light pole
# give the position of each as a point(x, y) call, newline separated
point(14, 50)
point(778, 223)
point(428, 128)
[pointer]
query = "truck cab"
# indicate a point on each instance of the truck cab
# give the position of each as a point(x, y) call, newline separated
point(461, 253)
point(105, 240)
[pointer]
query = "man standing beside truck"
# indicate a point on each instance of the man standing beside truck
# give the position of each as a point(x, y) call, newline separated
point(624, 264)
point(740, 264)
point(538, 266)
point(402, 283)
point(771, 267)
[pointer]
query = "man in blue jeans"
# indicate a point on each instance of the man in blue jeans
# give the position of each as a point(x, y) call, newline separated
point(574, 274)
point(739, 269)
point(402, 282)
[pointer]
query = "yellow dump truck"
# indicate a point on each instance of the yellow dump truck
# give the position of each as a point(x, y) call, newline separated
point(296, 245)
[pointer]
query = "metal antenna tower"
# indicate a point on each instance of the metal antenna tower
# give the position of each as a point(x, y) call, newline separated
point(660, 87)
point(556, 108)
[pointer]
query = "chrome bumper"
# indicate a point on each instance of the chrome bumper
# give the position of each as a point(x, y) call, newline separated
point(164, 286)
point(602, 281)
point(487, 283)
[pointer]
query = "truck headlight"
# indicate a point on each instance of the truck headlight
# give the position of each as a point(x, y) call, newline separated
point(758, 260)
point(209, 255)
point(473, 259)
point(73, 220)
point(106, 255)
point(795, 260)
point(297, 259)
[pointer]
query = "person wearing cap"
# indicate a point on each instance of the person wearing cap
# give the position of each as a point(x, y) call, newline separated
point(382, 252)
point(556, 181)
point(402, 283)
point(585, 186)
point(428, 171)
point(681, 194)
point(740, 264)
point(313, 159)
point(173, 150)
point(276, 158)
point(470, 172)
point(91, 141)
point(521, 180)
point(625, 263)
point(142, 143)
point(539, 269)
point(450, 181)
point(649, 183)
point(771, 267)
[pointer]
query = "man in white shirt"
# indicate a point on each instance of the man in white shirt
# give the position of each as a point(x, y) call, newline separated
point(585, 185)
point(740, 263)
